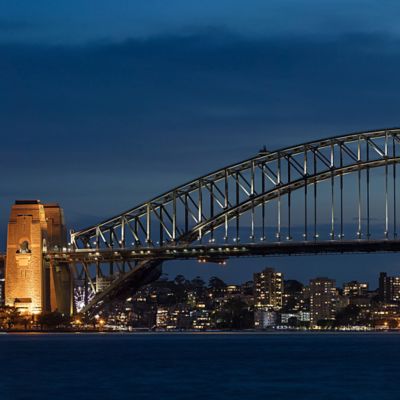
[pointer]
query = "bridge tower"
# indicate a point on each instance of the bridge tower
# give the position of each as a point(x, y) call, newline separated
point(32, 284)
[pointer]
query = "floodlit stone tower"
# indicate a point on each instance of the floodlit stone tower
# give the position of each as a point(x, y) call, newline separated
point(32, 285)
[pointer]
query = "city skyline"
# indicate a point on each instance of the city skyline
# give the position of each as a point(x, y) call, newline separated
point(199, 199)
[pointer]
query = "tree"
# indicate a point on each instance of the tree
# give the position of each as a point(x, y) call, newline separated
point(235, 314)
point(180, 280)
point(197, 282)
point(293, 286)
point(53, 320)
point(217, 286)
point(9, 317)
point(216, 283)
point(393, 324)
point(325, 323)
point(179, 288)
point(348, 316)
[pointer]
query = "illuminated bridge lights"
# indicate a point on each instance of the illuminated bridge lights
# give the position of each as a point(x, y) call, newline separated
point(215, 260)
point(298, 190)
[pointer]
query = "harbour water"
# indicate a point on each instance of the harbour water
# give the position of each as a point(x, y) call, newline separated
point(323, 366)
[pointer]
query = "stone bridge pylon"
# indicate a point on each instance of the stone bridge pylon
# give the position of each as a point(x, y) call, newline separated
point(33, 285)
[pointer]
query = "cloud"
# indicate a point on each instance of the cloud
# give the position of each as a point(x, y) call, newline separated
point(83, 21)
point(105, 125)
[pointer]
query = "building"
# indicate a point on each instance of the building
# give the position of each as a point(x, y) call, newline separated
point(389, 288)
point(201, 319)
point(232, 291)
point(301, 317)
point(287, 317)
point(323, 297)
point(292, 296)
point(304, 316)
point(395, 288)
point(264, 319)
point(162, 318)
point(268, 290)
point(34, 285)
point(355, 288)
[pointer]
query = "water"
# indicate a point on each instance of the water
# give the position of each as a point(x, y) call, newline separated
point(320, 366)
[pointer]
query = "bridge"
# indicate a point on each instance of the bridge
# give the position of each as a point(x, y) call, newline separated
point(335, 195)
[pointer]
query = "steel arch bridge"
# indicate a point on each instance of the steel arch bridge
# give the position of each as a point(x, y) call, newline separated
point(334, 195)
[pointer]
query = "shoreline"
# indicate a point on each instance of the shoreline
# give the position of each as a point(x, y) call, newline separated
point(150, 332)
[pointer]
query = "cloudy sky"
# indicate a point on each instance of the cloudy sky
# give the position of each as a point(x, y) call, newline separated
point(104, 104)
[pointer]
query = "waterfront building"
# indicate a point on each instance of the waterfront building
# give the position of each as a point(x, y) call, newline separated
point(395, 288)
point(389, 288)
point(304, 316)
point(162, 318)
point(201, 319)
point(323, 298)
point(341, 302)
point(355, 288)
point(292, 295)
point(304, 299)
point(362, 302)
point(286, 317)
point(301, 316)
point(268, 289)
point(384, 287)
point(264, 319)
point(385, 315)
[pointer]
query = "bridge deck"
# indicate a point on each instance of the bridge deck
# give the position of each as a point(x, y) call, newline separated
point(216, 252)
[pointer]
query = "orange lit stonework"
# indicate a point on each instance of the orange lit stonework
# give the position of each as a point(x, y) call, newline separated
point(32, 286)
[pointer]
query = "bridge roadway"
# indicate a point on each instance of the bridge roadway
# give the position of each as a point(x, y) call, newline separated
point(219, 253)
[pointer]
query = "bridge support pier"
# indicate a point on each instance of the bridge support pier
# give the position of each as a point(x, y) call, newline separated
point(33, 285)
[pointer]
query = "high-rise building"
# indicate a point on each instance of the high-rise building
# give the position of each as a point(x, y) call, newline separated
point(389, 288)
point(268, 289)
point(384, 287)
point(292, 295)
point(323, 296)
point(395, 288)
point(355, 288)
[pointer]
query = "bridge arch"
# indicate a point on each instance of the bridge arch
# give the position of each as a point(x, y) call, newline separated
point(281, 190)
point(201, 203)
point(190, 214)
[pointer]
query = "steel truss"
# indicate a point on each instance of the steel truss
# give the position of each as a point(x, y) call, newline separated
point(259, 198)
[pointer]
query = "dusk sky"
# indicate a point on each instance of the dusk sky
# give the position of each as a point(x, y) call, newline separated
point(107, 104)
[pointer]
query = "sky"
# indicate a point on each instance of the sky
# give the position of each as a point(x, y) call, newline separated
point(105, 104)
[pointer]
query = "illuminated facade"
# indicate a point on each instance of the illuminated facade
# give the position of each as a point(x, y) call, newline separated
point(264, 319)
point(32, 285)
point(268, 289)
point(323, 299)
point(355, 288)
point(389, 288)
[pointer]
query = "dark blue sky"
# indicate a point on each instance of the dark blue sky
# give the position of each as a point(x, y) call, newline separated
point(104, 104)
